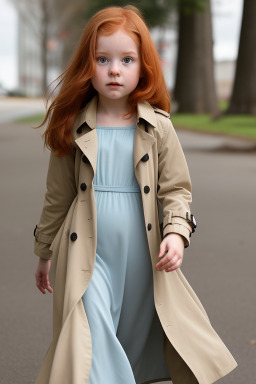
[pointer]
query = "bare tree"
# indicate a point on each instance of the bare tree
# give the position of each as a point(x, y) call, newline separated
point(195, 90)
point(72, 18)
point(243, 99)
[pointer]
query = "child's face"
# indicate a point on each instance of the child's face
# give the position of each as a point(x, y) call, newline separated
point(118, 66)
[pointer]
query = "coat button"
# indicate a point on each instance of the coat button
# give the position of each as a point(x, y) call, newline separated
point(145, 157)
point(79, 130)
point(149, 226)
point(85, 159)
point(158, 187)
point(73, 236)
point(146, 189)
point(83, 186)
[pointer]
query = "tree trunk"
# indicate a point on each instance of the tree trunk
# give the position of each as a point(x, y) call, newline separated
point(44, 39)
point(71, 23)
point(243, 99)
point(195, 90)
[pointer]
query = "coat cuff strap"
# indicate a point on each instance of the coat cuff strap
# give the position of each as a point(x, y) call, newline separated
point(41, 237)
point(42, 250)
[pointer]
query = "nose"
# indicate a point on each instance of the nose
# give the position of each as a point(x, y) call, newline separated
point(114, 70)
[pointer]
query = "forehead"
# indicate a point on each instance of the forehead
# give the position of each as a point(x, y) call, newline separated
point(119, 41)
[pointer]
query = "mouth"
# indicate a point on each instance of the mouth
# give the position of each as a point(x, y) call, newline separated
point(113, 83)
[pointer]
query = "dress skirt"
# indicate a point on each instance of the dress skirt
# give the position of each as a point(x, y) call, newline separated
point(127, 337)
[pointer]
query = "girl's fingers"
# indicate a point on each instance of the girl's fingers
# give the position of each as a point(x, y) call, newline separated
point(40, 287)
point(166, 262)
point(43, 283)
point(165, 259)
point(175, 266)
point(49, 288)
point(47, 284)
point(171, 263)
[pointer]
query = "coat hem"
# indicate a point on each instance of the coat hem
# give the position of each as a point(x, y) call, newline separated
point(207, 379)
point(212, 379)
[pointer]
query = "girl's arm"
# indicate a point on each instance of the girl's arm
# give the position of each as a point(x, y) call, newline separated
point(174, 185)
point(61, 191)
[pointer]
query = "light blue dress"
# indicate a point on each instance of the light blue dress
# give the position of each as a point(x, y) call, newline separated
point(127, 338)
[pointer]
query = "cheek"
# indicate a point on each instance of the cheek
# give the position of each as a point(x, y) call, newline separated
point(137, 74)
point(98, 76)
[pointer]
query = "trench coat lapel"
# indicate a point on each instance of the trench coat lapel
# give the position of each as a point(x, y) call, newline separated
point(143, 143)
point(88, 142)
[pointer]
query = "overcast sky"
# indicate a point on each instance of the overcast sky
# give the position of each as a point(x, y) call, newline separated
point(226, 29)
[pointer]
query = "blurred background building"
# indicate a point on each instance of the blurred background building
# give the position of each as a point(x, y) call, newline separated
point(41, 23)
point(35, 63)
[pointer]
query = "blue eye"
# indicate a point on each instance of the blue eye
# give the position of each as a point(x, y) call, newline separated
point(102, 60)
point(127, 60)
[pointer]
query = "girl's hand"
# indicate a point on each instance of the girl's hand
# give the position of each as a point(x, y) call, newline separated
point(42, 275)
point(174, 245)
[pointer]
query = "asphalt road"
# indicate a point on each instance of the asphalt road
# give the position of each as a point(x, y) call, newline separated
point(220, 264)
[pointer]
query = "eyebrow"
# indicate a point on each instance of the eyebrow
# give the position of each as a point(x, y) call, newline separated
point(123, 53)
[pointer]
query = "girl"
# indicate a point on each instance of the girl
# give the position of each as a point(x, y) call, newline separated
point(123, 313)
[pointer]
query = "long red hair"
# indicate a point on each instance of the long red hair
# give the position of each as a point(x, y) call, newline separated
point(76, 89)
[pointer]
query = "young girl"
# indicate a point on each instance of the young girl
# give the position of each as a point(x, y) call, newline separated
point(123, 312)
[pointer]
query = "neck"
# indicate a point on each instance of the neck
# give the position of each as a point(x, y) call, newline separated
point(115, 108)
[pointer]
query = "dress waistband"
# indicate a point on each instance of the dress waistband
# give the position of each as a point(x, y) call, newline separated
point(110, 188)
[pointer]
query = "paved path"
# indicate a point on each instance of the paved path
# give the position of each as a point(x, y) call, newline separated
point(220, 264)
point(12, 108)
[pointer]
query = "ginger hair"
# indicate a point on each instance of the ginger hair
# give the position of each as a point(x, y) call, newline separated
point(75, 85)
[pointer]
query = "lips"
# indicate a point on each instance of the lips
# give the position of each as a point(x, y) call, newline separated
point(114, 83)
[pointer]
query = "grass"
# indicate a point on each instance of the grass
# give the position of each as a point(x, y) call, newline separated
point(223, 105)
point(234, 125)
point(35, 119)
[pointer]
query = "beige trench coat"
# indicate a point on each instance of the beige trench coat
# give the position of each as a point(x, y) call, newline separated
point(193, 351)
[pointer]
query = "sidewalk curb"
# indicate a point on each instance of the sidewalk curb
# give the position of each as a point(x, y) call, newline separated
point(201, 132)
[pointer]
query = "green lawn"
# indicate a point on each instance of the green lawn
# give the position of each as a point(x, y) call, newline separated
point(235, 125)
point(239, 125)
point(35, 119)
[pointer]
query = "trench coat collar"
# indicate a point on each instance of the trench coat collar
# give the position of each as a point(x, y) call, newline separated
point(88, 142)
point(88, 114)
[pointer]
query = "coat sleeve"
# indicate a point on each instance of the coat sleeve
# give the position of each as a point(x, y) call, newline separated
point(174, 192)
point(61, 191)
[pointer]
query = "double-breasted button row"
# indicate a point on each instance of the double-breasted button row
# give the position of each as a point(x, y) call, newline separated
point(146, 188)
point(145, 158)
point(83, 186)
